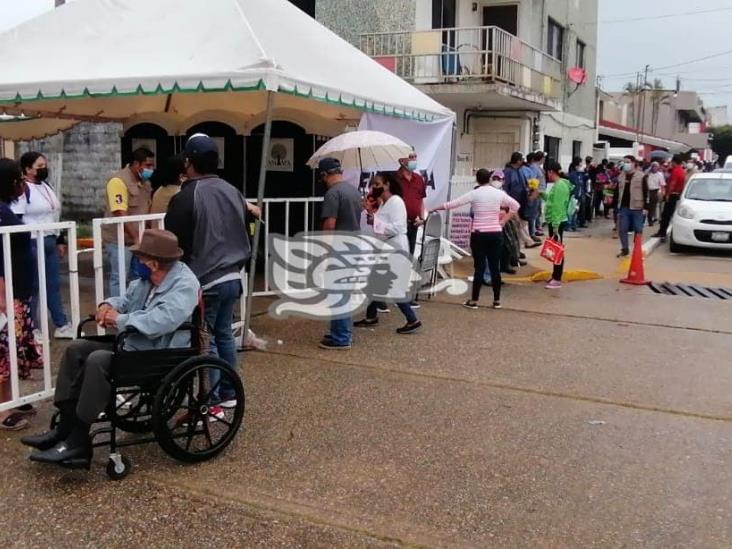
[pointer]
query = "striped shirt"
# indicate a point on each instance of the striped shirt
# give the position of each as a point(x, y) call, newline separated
point(486, 203)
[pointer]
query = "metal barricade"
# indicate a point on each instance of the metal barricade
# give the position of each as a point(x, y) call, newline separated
point(40, 230)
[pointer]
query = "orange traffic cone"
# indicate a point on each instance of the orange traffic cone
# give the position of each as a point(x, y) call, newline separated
point(636, 275)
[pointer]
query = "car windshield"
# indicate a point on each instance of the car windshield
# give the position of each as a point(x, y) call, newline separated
point(714, 190)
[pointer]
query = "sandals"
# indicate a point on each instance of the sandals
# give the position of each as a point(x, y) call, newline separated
point(14, 422)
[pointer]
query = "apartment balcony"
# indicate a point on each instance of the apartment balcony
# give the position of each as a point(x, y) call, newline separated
point(477, 66)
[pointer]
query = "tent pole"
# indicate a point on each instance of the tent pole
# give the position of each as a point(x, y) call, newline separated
point(260, 204)
point(453, 165)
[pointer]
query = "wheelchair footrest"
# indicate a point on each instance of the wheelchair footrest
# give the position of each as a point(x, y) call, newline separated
point(76, 464)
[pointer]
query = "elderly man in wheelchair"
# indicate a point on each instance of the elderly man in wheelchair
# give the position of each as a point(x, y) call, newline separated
point(150, 315)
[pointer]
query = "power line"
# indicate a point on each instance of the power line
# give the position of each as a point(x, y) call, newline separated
point(683, 63)
point(666, 16)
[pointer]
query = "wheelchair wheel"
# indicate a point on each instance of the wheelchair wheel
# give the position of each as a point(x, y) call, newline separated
point(133, 410)
point(188, 423)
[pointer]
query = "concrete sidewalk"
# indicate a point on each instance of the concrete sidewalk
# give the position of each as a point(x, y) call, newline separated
point(589, 416)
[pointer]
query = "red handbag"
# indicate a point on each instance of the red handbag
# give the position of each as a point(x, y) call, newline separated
point(553, 251)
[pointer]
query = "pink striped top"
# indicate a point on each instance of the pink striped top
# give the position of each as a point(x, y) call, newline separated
point(486, 203)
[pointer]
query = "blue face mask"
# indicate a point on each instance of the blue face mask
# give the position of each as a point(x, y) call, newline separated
point(146, 174)
point(412, 165)
point(142, 270)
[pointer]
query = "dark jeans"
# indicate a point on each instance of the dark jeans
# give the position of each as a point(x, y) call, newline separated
point(83, 378)
point(652, 206)
point(668, 212)
point(412, 236)
point(53, 285)
point(219, 302)
point(486, 247)
point(405, 308)
point(557, 233)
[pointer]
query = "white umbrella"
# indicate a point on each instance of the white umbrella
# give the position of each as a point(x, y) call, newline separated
point(363, 150)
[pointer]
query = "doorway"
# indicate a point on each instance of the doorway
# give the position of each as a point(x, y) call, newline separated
point(492, 150)
point(503, 17)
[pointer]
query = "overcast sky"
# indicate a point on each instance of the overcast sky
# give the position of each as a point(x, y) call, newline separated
point(650, 32)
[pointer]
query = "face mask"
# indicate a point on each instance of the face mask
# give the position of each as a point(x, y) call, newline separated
point(580, 169)
point(376, 192)
point(42, 174)
point(412, 165)
point(146, 174)
point(627, 167)
point(690, 166)
point(497, 183)
point(142, 271)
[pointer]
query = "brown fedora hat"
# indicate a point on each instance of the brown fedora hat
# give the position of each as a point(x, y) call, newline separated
point(158, 244)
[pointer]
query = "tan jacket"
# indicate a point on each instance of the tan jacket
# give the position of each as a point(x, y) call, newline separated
point(139, 196)
point(638, 190)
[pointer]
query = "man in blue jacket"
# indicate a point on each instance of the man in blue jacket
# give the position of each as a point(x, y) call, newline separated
point(156, 305)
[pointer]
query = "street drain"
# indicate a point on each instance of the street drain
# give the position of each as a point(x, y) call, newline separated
point(690, 290)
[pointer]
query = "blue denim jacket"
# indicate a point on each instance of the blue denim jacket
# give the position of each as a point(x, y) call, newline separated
point(171, 304)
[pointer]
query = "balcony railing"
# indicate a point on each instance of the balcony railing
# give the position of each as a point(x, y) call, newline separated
point(474, 54)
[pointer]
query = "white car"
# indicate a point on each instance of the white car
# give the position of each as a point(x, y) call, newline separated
point(703, 217)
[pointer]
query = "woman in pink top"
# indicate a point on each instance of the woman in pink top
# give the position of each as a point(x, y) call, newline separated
point(486, 240)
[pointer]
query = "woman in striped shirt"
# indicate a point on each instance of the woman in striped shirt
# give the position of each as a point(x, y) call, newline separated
point(486, 239)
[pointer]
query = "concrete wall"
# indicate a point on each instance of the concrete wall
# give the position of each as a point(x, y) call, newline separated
point(84, 157)
point(350, 18)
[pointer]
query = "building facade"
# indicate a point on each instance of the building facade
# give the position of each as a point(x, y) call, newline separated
point(519, 74)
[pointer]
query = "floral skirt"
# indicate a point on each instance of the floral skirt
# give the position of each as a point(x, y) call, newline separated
point(30, 353)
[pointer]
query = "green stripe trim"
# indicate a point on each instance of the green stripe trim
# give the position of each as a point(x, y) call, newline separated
point(358, 104)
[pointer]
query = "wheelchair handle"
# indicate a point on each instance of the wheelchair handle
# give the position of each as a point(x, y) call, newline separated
point(87, 320)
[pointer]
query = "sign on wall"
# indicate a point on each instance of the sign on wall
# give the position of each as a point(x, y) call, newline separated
point(281, 157)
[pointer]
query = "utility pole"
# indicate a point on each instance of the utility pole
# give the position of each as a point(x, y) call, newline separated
point(643, 86)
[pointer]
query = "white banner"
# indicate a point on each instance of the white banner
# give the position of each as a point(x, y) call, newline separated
point(431, 140)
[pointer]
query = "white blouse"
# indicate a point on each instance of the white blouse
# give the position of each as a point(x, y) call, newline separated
point(41, 205)
point(390, 223)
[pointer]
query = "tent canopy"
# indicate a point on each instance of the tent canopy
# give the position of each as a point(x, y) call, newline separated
point(119, 59)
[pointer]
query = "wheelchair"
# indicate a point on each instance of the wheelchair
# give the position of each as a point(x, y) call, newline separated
point(165, 396)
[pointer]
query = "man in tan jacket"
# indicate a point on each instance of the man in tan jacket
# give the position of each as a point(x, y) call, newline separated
point(632, 201)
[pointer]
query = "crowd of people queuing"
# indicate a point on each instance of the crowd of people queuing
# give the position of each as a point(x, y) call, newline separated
point(512, 210)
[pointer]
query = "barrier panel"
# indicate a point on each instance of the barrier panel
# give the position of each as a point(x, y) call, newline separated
point(16, 397)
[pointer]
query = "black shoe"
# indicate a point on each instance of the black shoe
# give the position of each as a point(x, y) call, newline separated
point(523, 263)
point(623, 253)
point(469, 304)
point(383, 309)
point(332, 345)
point(497, 305)
point(415, 305)
point(44, 441)
point(366, 322)
point(534, 245)
point(522, 255)
point(509, 271)
point(63, 454)
point(409, 328)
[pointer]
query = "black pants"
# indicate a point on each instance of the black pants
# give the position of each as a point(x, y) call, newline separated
point(412, 236)
point(559, 232)
point(652, 206)
point(597, 202)
point(668, 212)
point(84, 379)
point(486, 247)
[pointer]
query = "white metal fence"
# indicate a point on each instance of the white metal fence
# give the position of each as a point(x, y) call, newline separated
point(17, 395)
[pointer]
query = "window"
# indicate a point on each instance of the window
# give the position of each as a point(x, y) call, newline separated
point(580, 54)
point(443, 14)
point(555, 39)
point(551, 147)
point(576, 149)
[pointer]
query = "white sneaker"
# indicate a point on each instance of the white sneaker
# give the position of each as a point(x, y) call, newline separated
point(64, 332)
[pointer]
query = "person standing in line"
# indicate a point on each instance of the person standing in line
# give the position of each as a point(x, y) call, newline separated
point(414, 191)
point(632, 201)
point(22, 268)
point(341, 212)
point(42, 206)
point(516, 186)
point(128, 193)
point(208, 217)
point(557, 203)
point(370, 207)
point(486, 239)
point(656, 181)
point(579, 183)
point(170, 178)
point(674, 188)
point(538, 168)
point(590, 172)
point(599, 180)
point(389, 223)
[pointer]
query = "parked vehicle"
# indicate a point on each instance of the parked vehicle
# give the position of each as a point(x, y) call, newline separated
point(703, 217)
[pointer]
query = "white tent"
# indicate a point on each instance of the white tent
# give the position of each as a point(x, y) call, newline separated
point(117, 59)
point(176, 61)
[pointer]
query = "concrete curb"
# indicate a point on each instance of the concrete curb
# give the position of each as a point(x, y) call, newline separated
point(651, 245)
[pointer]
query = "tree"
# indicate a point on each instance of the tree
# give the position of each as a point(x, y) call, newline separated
point(722, 141)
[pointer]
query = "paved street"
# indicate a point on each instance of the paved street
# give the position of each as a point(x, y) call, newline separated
point(597, 415)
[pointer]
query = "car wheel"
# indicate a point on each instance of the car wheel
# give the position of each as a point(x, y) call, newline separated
point(675, 248)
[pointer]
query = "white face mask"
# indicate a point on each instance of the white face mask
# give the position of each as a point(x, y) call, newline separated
point(497, 183)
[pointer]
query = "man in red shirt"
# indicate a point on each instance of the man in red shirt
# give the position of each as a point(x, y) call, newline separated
point(414, 191)
point(674, 188)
